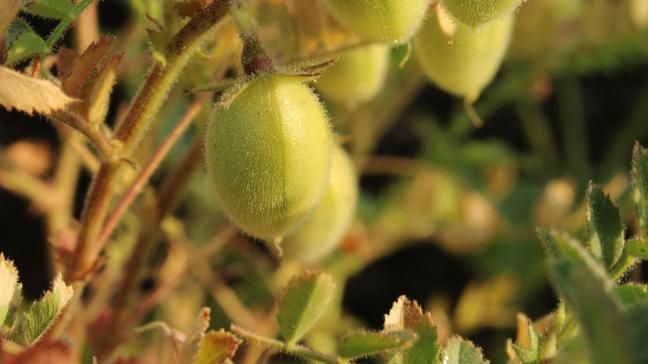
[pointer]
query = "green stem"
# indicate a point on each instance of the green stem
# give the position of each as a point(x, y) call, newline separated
point(142, 112)
point(62, 26)
point(298, 350)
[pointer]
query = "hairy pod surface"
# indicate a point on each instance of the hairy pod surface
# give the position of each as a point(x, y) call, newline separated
point(267, 151)
point(478, 12)
point(459, 59)
point(358, 76)
point(381, 20)
point(324, 230)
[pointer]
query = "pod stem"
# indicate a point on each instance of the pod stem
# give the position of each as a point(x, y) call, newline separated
point(145, 106)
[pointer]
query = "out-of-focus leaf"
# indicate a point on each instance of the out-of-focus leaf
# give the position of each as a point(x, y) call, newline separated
point(407, 314)
point(631, 294)
point(99, 98)
point(303, 303)
point(637, 317)
point(584, 285)
point(41, 314)
point(52, 9)
point(73, 81)
point(27, 45)
point(216, 347)
point(30, 94)
point(362, 344)
point(640, 187)
point(637, 248)
point(606, 231)
point(461, 351)
point(8, 286)
point(192, 342)
point(9, 11)
point(45, 352)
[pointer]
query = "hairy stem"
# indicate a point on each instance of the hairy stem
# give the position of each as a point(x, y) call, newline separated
point(131, 130)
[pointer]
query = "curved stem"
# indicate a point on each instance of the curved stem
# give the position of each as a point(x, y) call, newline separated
point(145, 106)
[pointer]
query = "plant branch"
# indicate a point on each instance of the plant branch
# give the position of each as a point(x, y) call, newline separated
point(143, 109)
point(299, 350)
point(94, 134)
point(64, 24)
point(144, 175)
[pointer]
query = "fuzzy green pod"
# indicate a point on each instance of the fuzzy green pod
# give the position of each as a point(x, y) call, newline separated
point(324, 230)
point(478, 12)
point(358, 76)
point(381, 20)
point(267, 152)
point(459, 59)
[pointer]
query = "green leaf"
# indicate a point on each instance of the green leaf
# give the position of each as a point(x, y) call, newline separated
point(637, 248)
point(586, 289)
point(640, 187)
point(461, 351)
point(407, 314)
point(303, 303)
point(637, 317)
point(631, 294)
point(527, 344)
point(8, 286)
point(52, 9)
point(362, 344)
point(41, 314)
point(27, 45)
point(606, 231)
point(216, 347)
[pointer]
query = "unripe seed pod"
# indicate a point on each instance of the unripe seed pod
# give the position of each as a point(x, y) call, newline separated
point(459, 59)
point(267, 151)
point(478, 12)
point(381, 20)
point(323, 231)
point(358, 76)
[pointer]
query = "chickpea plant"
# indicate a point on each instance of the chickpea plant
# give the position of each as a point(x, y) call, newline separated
point(248, 260)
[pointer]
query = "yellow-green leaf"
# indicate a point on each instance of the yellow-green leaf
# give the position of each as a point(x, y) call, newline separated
point(8, 286)
point(216, 347)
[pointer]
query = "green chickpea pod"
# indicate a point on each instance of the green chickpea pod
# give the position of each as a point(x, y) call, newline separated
point(324, 230)
point(267, 152)
point(358, 76)
point(381, 20)
point(478, 12)
point(459, 59)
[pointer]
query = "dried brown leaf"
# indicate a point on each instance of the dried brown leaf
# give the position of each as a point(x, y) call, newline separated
point(29, 94)
point(73, 81)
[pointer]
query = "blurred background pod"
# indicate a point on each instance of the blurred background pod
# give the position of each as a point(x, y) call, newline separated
point(477, 12)
point(393, 21)
point(459, 59)
point(357, 77)
point(323, 231)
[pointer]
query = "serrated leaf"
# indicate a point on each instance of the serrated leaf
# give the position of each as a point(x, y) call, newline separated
point(606, 231)
point(99, 98)
point(30, 94)
point(461, 351)
point(8, 286)
point(72, 81)
point(631, 294)
point(27, 45)
point(640, 187)
point(527, 343)
point(194, 337)
point(216, 347)
point(51, 9)
point(362, 344)
point(41, 314)
point(407, 314)
point(9, 11)
point(585, 287)
point(303, 303)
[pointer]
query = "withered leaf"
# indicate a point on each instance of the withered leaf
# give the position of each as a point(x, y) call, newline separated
point(30, 94)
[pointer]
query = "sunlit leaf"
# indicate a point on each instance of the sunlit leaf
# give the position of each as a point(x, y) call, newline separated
point(99, 98)
point(41, 314)
point(303, 303)
point(461, 351)
point(8, 286)
point(362, 344)
point(407, 314)
point(216, 347)
point(606, 231)
point(30, 94)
